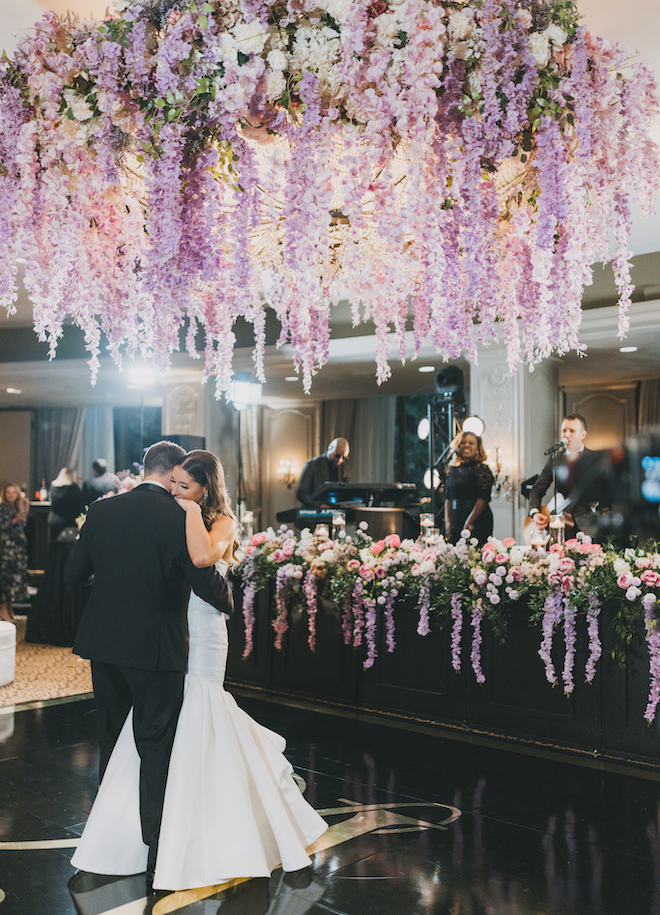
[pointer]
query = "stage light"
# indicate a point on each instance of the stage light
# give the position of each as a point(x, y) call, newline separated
point(423, 429)
point(475, 425)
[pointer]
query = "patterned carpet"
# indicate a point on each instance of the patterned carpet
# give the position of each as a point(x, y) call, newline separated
point(44, 672)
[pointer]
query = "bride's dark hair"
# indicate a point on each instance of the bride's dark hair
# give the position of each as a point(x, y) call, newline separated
point(206, 470)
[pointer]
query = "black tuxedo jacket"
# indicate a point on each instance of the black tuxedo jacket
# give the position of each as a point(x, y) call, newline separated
point(135, 546)
point(578, 507)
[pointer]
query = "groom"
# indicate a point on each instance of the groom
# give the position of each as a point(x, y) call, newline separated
point(133, 628)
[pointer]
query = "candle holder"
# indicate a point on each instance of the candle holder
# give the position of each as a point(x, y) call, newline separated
point(338, 524)
point(538, 540)
point(426, 522)
point(322, 530)
point(432, 536)
point(557, 529)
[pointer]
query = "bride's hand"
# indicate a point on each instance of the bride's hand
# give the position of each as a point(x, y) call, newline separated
point(189, 506)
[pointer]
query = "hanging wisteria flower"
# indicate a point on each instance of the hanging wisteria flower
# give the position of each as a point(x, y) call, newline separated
point(451, 169)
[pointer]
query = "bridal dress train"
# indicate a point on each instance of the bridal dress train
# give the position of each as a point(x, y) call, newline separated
point(232, 808)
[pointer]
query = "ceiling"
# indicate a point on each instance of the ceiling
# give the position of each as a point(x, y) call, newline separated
point(351, 370)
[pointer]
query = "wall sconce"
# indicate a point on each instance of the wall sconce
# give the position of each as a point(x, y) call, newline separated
point(286, 473)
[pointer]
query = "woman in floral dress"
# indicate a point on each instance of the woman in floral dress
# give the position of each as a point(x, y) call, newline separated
point(13, 550)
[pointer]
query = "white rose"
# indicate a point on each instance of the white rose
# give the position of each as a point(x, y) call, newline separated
point(540, 48)
point(459, 25)
point(338, 9)
point(277, 60)
point(555, 34)
point(78, 105)
point(250, 37)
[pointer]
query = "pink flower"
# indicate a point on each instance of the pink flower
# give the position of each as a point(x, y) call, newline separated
point(328, 545)
point(279, 556)
point(624, 580)
point(643, 562)
point(480, 577)
point(488, 555)
point(566, 564)
point(381, 572)
point(249, 551)
point(377, 547)
point(393, 540)
point(590, 548)
point(650, 578)
point(501, 558)
point(352, 565)
point(367, 573)
point(516, 573)
point(509, 541)
point(416, 570)
point(557, 548)
point(567, 583)
point(258, 539)
point(572, 544)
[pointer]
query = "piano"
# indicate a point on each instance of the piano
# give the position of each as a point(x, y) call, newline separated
point(388, 508)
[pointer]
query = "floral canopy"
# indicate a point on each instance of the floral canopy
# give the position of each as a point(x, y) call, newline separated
point(448, 168)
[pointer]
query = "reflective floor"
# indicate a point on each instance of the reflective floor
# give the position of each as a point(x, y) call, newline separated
point(420, 823)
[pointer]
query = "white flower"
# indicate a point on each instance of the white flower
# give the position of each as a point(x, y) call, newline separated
point(78, 105)
point(274, 86)
point(494, 597)
point(460, 26)
point(474, 83)
point(363, 525)
point(632, 593)
point(338, 9)
point(555, 34)
point(540, 48)
point(250, 37)
point(276, 60)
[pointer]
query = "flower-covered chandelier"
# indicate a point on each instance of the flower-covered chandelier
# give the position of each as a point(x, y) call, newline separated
point(448, 168)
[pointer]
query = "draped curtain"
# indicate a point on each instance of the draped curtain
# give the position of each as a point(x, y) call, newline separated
point(649, 403)
point(369, 425)
point(98, 440)
point(251, 455)
point(58, 441)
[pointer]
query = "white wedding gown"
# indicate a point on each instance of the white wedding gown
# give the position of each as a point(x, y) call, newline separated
point(232, 808)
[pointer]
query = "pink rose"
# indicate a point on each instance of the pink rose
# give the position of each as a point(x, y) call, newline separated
point(557, 548)
point(516, 573)
point(567, 583)
point(416, 570)
point(429, 555)
point(554, 578)
point(352, 565)
point(367, 573)
point(258, 539)
point(278, 556)
point(566, 564)
point(328, 545)
point(643, 562)
point(624, 580)
point(381, 572)
point(377, 547)
point(509, 541)
point(393, 540)
point(501, 558)
point(650, 578)
point(572, 544)
point(488, 555)
point(248, 551)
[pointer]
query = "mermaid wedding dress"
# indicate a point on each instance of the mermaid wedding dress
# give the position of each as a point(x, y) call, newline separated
point(232, 808)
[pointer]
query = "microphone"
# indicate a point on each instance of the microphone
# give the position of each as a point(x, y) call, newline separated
point(557, 447)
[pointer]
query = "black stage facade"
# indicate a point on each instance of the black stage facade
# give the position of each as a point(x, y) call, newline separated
point(416, 682)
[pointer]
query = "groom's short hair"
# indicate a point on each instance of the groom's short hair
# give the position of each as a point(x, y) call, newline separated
point(162, 457)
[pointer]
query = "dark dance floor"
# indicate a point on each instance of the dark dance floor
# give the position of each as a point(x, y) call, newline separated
point(420, 824)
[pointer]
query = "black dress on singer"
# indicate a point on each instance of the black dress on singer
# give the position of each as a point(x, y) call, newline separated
point(467, 482)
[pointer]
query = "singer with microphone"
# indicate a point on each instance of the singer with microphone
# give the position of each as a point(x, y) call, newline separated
point(467, 494)
point(558, 470)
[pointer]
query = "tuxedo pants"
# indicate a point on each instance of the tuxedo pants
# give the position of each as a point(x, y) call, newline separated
point(155, 697)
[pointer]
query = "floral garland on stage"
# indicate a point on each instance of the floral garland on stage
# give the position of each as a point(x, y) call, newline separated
point(460, 584)
point(184, 164)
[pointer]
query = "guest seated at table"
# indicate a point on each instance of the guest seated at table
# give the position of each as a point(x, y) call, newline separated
point(66, 502)
point(14, 508)
point(469, 484)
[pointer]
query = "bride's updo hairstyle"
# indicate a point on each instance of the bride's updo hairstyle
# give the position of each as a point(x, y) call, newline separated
point(206, 470)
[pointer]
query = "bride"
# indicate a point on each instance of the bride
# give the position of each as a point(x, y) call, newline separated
point(232, 808)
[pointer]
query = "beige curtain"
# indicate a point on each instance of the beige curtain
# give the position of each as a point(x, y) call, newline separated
point(58, 442)
point(337, 421)
point(251, 453)
point(649, 403)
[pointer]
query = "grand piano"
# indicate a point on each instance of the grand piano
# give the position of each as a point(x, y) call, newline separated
point(388, 508)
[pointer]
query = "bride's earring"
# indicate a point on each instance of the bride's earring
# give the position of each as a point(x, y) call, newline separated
point(205, 497)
